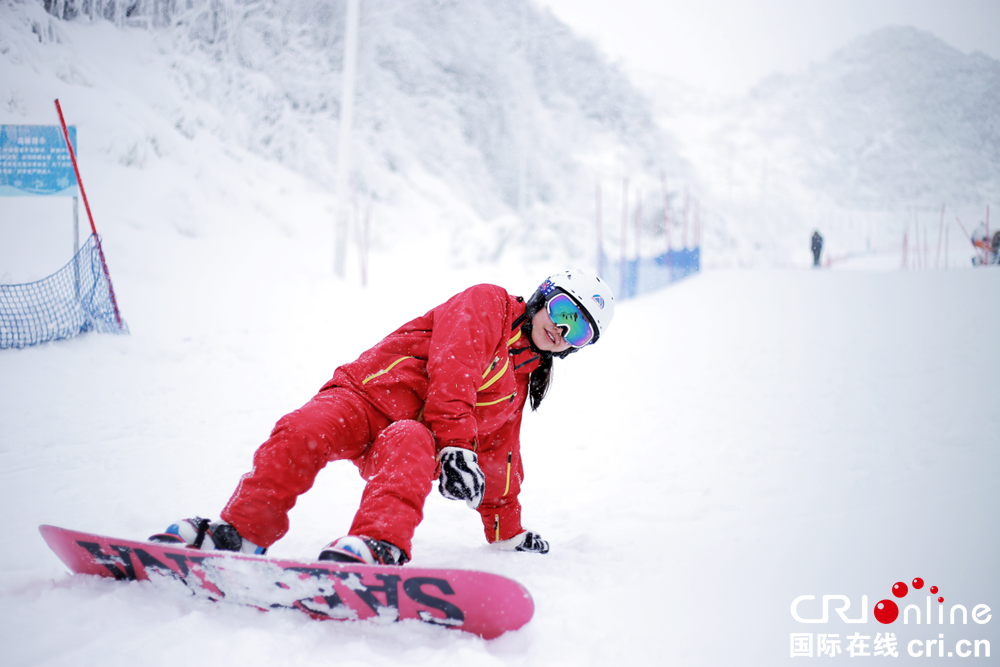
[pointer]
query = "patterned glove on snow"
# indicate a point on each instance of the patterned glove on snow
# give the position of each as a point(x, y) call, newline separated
point(461, 478)
point(526, 541)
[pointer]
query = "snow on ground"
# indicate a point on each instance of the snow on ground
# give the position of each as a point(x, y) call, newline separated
point(736, 441)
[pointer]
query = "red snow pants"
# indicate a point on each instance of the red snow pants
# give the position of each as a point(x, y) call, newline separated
point(397, 459)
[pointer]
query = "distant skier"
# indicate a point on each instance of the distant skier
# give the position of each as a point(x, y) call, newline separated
point(990, 248)
point(441, 397)
point(817, 247)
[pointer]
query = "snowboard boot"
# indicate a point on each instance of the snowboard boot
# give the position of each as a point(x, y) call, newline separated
point(361, 549)
point(199, 533)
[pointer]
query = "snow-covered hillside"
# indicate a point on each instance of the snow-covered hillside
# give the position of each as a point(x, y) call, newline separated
point(488, 125)
point(889, 128)
point(485, 122)
point(894, 118)
point(736, 441)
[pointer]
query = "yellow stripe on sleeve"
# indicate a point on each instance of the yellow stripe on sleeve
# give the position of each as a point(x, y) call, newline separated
point(384, 370)
point(499, 400)
point(497, 376)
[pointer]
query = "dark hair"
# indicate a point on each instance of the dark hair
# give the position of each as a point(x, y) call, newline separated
point(540, 378)
point(539, 381)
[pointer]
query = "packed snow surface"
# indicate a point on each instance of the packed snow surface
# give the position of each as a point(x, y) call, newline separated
point(736, 441)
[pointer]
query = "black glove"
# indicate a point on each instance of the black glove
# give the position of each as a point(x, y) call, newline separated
point(461, 478)
point(526, 541)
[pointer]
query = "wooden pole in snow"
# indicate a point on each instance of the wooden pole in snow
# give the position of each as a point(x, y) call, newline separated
point(624, 232)
point(947, 233)
point(348, 76)
point(638, 223)
point(937, 260)
point(697, 223)
point(906, 224)
point(927, 250)
point(365, 242)
point(687, 193)
point(666, 209)
point(600, 232)
point(638, 236)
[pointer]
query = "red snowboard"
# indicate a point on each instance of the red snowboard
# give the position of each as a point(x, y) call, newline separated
point(484, 604)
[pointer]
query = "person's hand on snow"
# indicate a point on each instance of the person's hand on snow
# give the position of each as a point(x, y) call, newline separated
point(461, 477)
point(526, 541)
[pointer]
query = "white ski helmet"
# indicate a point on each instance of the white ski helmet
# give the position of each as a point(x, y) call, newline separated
point(590, 292)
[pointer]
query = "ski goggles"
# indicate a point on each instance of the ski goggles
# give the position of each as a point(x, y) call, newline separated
point(565, 314)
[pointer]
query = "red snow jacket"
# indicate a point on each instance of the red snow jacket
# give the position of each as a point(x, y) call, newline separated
point(462, 369)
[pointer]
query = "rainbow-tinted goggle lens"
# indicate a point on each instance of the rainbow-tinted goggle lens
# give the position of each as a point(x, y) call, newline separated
point(565, 314)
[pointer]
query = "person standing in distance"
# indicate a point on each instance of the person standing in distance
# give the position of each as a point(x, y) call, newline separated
point(817, 247)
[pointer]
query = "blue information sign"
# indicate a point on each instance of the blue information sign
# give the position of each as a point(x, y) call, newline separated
point(34, 161)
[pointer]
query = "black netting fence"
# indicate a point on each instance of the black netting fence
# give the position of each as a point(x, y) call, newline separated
point(76, 298)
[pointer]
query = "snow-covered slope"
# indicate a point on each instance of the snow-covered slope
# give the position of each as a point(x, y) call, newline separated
point(486, 126)
point(889, 128)
point(485, 122)
point(736, 441)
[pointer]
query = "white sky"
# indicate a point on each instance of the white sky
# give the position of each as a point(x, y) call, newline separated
point(727, 46)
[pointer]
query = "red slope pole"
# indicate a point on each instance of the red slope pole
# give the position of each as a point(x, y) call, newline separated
point(86, 204)
point(964, 230)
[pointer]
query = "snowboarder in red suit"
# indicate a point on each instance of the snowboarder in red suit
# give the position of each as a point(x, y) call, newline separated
point(439, 398)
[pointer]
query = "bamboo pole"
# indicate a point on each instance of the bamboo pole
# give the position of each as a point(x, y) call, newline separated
point(624, 233)
point(600, 231)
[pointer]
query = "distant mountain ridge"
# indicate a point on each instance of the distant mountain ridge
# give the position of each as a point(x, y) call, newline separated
point(897, 117)
point(489, 122)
